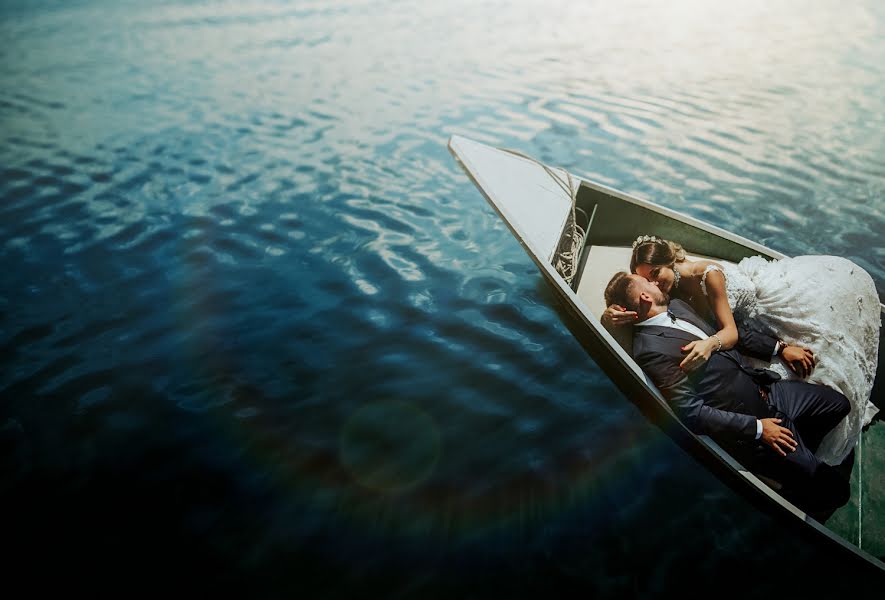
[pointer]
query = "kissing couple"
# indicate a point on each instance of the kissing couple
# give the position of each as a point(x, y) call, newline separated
point(779, 425)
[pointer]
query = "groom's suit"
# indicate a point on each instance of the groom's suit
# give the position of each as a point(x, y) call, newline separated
point(724, 397)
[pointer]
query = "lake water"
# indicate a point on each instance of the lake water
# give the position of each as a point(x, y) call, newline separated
point(262, 335)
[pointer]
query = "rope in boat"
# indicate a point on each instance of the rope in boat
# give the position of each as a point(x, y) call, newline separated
point(565, 261)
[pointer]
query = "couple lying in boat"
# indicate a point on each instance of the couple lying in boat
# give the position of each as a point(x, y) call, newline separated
point(783, 380)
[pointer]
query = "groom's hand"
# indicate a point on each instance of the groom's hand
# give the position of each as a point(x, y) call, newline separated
point(779, 438)
point(799, 360)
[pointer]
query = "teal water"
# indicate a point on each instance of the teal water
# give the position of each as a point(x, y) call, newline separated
point(261, 335)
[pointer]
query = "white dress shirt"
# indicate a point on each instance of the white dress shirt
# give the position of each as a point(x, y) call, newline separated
point(664, 320)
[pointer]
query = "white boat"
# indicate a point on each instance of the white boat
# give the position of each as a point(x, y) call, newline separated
point(579, 233)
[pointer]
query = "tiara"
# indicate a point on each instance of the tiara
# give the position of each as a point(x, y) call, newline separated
point(646, 238)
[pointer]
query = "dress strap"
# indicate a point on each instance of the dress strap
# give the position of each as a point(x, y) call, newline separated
point(704, 276)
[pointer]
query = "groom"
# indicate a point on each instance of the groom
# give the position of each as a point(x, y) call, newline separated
point(772, 426)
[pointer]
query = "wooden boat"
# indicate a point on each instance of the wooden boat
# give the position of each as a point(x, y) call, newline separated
point(579, 233)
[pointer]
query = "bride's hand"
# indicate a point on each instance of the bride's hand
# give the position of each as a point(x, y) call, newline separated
point(618, 315)
point(699, 352)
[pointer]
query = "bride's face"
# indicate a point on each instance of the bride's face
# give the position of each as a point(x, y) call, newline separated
point(663, 276)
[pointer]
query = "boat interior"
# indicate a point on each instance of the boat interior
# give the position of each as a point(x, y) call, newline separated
point(610, 225)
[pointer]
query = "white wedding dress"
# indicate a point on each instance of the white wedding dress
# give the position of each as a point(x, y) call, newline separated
point(827, 304)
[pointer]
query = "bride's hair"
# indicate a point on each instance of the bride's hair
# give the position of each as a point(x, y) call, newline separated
point(655, 251)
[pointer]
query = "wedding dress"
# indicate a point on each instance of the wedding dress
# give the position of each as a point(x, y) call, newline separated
point(827, 304)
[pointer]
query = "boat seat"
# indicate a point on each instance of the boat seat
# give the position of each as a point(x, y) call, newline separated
point(603, 262)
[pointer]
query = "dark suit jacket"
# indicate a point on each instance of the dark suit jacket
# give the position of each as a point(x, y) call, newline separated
point(719, 399)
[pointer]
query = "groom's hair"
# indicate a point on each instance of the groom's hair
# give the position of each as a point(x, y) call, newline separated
point(618, 291)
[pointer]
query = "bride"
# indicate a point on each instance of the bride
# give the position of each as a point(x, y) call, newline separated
point(825, 306)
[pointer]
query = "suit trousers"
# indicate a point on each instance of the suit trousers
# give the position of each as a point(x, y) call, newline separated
point(809, 412)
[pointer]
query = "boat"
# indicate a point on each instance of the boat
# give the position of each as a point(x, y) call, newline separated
point(579, 233)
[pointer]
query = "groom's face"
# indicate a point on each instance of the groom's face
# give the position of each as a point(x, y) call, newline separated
point(644, 294)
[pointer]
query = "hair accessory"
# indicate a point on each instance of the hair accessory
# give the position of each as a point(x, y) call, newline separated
point(646, 238)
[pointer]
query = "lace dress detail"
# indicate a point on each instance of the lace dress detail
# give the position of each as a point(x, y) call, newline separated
point(739, 288)
point(704, 276)
point(825, 303)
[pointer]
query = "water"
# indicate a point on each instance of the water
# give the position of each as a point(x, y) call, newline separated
point(261, 334)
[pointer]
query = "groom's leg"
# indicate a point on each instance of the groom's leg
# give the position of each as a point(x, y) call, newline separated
point(810, 411)
point(814, 409)
point(809, 483)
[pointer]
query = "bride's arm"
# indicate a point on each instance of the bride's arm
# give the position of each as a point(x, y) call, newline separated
point(699, 352)
point(616, 315)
